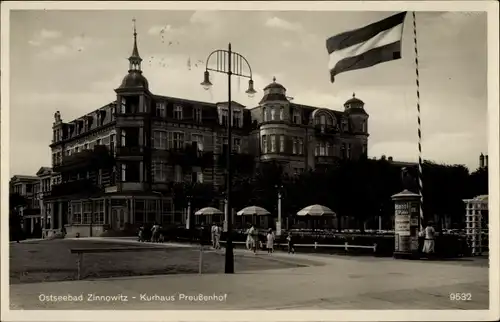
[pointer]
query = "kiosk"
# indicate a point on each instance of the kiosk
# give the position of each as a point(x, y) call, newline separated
point(406, 224)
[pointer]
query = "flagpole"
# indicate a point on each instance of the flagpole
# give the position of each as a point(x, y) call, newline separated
point(420, 184)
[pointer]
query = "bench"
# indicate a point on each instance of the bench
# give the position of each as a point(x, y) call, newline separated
point(81, 251)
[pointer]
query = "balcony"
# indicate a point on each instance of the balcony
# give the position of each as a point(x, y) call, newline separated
point(324, 159)
point(98, 158)
point(77, 187)
point(191, 156)
point(130, 151)
point(321, 129)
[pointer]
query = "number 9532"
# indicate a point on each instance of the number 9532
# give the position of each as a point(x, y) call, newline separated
point(460, 296)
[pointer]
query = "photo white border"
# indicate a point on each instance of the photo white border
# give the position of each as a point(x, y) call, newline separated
point(491, 7)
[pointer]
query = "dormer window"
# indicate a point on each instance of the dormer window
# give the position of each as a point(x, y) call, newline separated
point(237, 118)
point(161, 109)
point(178, 112)
point(198, 114)
point(296, 117)
point(345, 125)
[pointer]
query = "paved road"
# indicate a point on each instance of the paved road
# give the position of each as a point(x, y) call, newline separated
point(340, 282)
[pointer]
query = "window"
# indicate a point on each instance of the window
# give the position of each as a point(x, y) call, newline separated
point(177, 140)
point(365, 148)
point(77, 149)
point(178, 112)
point(282, 143)
point(151, 210)
point(87, 212)
point(363, 127)
point(123, 106)
point(161, 109)
point(178, 173)
point(159, 171)
point(301, 146)
point(197, 177)
point(86, 146)
point(197, 114)
point(198, 139)
point(98, 142)
point(295, 145)
point(344, 151)
point(237, 145)
point(273, 143)
point(99, 177)
point(316, 150)
point(273, 113)
point(160, 140)
point(282, 113)
point(264, 112)
point(264, 144)
point(349, 151)
point(166, 212)
point(76, 212)
point(296, 117)
point(223, 120)
point(327, 149)
point(345, 125)
point(322, 119)
point(237, 119)
point(99, 212)
point(322, 149)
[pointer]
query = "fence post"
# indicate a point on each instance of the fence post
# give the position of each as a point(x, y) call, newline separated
point(346, 246)
point(315, 245)
point(79, 262)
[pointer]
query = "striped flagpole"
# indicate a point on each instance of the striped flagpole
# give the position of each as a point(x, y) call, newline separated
point(420, 185)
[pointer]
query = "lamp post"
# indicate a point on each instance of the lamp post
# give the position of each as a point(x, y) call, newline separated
point(280, 196)
point(229, 63)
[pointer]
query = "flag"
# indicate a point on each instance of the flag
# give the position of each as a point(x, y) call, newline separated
point(376, 43)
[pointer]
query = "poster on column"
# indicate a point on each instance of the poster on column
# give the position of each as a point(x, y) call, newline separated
point(402, 219)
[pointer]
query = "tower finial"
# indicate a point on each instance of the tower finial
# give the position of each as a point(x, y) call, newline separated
point(135, 31)
point(274, 79)
point(353, 95)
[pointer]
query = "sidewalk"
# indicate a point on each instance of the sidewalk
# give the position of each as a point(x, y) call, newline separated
point(338, 283)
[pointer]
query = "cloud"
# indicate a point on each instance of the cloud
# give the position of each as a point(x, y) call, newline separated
point(205, 17)
point(50, 34)
point(41, 36)
point(279, 23)
point(73, 45)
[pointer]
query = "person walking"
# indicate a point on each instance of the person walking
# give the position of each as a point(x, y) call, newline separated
point(155, 231)
point(429, 242)
point(212, 234)
point(249, 239)
point(217, 234)
point(254, 235)
point(270, 241)
point(289, 240)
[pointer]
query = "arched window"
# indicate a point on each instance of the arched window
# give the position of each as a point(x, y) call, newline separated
point(264, 110)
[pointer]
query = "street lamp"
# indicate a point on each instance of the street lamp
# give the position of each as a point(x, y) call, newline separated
point(280, 196)
point(229, 63)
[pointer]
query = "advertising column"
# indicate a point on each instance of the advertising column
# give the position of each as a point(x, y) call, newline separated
point(406, 224)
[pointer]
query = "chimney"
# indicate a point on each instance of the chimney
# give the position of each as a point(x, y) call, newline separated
point(481, 161)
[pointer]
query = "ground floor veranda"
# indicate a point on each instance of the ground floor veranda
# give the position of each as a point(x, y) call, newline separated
point(92, 216)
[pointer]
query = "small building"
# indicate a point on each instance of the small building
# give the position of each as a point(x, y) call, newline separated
point(476, 221)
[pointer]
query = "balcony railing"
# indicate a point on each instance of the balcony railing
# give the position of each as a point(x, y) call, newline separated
point(82, 186)
point(97, 158)
point(131, 151)
point(323, 129)
point(326, 159)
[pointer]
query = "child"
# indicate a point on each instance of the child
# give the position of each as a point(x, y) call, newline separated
point(141, 234)
point(291, 249)
point(270, 241)
point(161, 239)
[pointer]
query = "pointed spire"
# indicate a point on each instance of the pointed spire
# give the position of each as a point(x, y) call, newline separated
point(353, 95)
point(135, 60)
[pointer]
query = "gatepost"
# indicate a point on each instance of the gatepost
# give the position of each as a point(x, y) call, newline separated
point(406, 224)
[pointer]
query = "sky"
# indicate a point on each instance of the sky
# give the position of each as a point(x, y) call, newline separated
point(71, 61)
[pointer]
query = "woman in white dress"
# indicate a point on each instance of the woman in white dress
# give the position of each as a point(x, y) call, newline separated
point(249, 239)
point(270, 241)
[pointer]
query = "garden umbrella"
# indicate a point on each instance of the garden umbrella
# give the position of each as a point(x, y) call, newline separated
point(315, 210)
point(253, 211)
point(208, 211)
